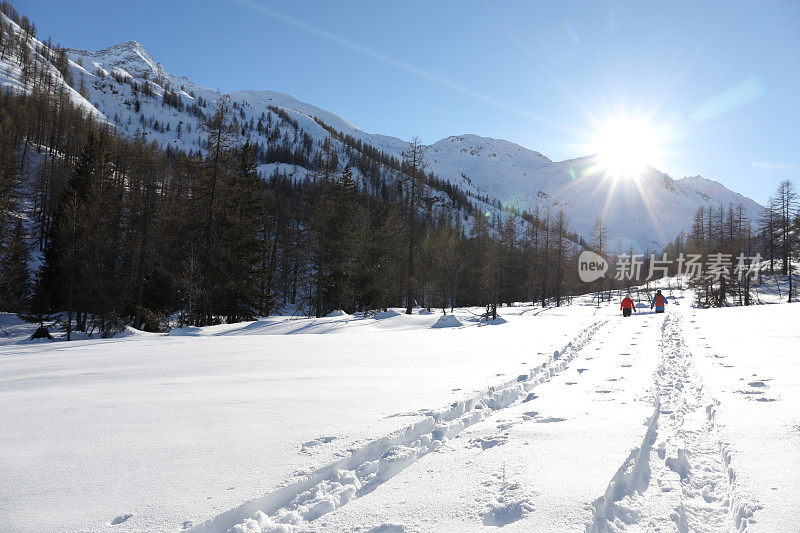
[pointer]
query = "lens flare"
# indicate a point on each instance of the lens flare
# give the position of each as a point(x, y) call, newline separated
point(625, 146)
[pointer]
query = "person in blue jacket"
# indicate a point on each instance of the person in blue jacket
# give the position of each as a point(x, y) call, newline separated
point(659, 301)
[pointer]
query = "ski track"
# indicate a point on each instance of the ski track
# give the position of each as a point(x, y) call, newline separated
point(680, 478)
point(294, 506)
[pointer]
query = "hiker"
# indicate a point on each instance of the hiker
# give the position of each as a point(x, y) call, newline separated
point(659, 301)
point(627, 305)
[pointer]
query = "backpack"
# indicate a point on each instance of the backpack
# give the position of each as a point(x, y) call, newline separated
point(659, 300)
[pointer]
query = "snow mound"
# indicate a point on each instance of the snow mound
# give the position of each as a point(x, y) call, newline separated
point(130, 331)
point(185, 331)
point(337, 312)
point(447, 321)
point(387, 314)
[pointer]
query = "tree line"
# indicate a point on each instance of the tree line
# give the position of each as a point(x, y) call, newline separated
point(727, 233)
point(99, 231)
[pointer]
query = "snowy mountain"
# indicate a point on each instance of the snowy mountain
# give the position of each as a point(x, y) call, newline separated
point(132, 90)
point(644, 213)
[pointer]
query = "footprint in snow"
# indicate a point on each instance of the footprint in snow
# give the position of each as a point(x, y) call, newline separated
point(626, 366)
point(549, 420)
point(502, 515)
point(488, 442)
point(571, 383)
point(582, 370)
point(412, 413)
point(121, 518)
point(509, 504)
point(388, 528)
point(313, 443)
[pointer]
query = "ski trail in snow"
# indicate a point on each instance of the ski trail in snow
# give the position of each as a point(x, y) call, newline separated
point(294, 506)
point(679, 479)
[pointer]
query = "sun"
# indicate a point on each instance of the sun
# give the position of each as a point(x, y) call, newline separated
point(626, 146)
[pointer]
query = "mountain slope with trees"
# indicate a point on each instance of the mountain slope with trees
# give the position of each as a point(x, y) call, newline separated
point(102, 229)
point(647, 213)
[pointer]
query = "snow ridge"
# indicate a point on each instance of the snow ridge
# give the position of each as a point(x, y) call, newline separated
point(294, 506)
point(129, 56)
point(680, 477)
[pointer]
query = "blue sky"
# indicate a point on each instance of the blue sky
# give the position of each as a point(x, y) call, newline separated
point(719, 81)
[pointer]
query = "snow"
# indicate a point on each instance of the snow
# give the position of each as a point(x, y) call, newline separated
point(11, 74)
point(552, 419)
point(128, 58)
point(748, 358)
point(181, 428)
point(523, 179)
point(447, 321)
point(516, 176)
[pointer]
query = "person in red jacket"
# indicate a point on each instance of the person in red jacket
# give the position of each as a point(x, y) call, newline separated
point(627, 305)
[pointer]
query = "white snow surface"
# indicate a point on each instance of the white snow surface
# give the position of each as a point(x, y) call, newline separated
point(556, 419)
point(11, 74)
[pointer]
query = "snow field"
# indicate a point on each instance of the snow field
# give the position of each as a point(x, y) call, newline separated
point(537, 464)
point(367, 468)
point(748, 358)
point(177, 429)
point(548, 420)
point(678, 478)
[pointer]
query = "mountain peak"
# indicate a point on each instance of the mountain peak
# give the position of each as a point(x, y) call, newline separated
point(474, 144)
point(129, 56)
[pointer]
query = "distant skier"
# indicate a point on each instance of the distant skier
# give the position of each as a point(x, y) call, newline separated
point(627, 306)
point(659, 301)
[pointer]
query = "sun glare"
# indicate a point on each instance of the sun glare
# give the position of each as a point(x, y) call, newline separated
point(625, 146)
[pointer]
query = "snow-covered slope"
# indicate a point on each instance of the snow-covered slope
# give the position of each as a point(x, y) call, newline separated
point(11, 75)
point(644, 213)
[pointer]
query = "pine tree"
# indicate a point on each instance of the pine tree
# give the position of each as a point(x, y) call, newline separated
point(241, 239)
point(599, 245)
point(560, 228)
point(787, 205)
point(14, 285)
point(209, 211)
point(66, 272)
point(414, 175)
